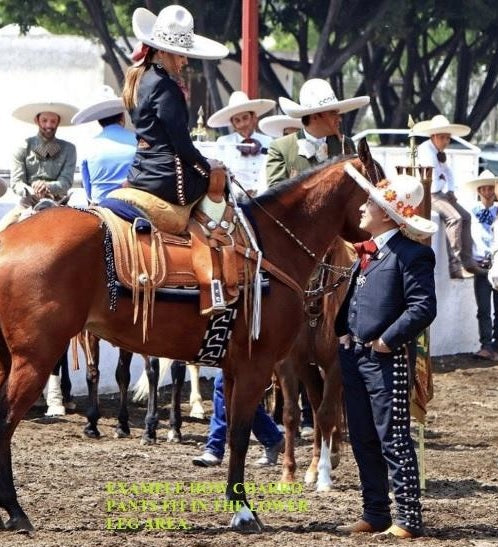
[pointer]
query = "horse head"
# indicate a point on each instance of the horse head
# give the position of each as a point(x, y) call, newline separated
point(372, 170)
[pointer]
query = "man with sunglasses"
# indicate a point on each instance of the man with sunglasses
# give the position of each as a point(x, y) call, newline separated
point(244, 150)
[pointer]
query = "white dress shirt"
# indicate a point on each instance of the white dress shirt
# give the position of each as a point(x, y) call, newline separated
point(442, 177)
point(249, 170)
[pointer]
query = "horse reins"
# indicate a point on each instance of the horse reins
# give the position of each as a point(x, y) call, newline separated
point(309, 295)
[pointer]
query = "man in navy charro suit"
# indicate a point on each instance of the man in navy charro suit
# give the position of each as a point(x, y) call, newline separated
point(391, 299)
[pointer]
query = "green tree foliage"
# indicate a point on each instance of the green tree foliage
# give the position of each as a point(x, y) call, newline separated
point(415, 57)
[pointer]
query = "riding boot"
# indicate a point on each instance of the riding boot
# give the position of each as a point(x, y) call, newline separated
point(54, 397)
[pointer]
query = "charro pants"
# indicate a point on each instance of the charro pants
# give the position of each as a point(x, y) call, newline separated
point(376, 389)
point(457, 228)
point(484, 293)
point(264, 428)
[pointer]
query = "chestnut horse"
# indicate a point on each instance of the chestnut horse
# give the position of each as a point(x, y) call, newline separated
point(313, 359)
point(53, 285)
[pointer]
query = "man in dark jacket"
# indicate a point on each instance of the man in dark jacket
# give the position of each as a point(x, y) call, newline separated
point(391, 299)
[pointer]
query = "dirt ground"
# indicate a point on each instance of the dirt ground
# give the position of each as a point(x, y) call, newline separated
point(68, 485)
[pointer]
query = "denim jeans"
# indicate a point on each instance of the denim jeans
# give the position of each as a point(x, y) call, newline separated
point(263, 427)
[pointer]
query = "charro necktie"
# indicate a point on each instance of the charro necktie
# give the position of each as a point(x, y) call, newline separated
point(365, 250)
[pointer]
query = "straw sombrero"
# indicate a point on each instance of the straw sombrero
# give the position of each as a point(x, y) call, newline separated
point(237, 103)
point(486, 178)
point(400, 197)
point(173, 31)
point(28, 112)
point(440, 125)
point(105, 105)
point(274, 125)
point(316, 96)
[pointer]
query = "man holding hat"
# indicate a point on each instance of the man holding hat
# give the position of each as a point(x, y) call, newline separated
point(244, 150)
point(44, 165)
point(456, 219)
point(390, 300)
point(320, 139)
point(483, 217)
point(109, 156)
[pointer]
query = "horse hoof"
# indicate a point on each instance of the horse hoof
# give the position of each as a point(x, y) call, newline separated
point(245, 521)
point(20, 525)
point(147, 441)
point(324, 487)
point(197, 411)
point(310, 477)
point(335, 459)
point(174, 436)
point(91, 433)
point(120, 434)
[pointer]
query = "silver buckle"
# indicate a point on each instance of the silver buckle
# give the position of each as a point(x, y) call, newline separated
point(217, 298)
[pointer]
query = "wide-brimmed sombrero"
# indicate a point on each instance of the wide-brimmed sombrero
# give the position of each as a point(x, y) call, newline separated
point(28, 112)
point(3, 186)
point(274, 126)
point(486, 178)
point(316, 96)
point(173, 30)
point(105, 105)
point(440, 125)
point(400, 197)
point(237, 103)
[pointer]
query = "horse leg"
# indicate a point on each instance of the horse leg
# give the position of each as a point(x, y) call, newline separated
point(178, 369)
point(328, 418)
point(196, 408)
point(151, 419)
point(319, 468)
point(241, 405)
point(290, 416)
point(123, 381)
point(90, 343)
point(331, 415)
point(16, 398)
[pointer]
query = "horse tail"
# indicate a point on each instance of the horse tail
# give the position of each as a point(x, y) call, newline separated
point(141, 388)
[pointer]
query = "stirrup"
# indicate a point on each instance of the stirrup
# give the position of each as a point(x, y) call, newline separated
point(217, 298)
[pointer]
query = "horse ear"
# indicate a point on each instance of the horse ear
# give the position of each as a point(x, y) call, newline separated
point(364, 152)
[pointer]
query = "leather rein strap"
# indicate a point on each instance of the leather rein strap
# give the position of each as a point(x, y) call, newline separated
point(271, 269)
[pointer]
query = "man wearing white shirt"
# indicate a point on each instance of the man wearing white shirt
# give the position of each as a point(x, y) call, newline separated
point(456, 219)
point(243, 151)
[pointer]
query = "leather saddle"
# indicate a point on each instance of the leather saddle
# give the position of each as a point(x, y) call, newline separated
point(202, 253)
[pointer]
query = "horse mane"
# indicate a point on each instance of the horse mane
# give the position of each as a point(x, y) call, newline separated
point(275, 191)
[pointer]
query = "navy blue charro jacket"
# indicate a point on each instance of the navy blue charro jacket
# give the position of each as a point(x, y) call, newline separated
point(394, 298)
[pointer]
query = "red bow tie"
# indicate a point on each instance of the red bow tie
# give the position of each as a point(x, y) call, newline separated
point(365, 250)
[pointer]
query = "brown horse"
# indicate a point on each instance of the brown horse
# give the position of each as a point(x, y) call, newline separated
point(313, 359)
point(53, 285)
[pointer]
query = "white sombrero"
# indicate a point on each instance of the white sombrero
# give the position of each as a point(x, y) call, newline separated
point(106, 104)
point(440, 125)
point(274, 125)
point(3, 186)
point(399, 197)
point(486, 178)
point(239, 102)
point(317, 95)
point(173, 31)
point(28, 112)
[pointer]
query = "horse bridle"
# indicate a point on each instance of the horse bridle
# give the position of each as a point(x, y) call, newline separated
point(343, 272)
